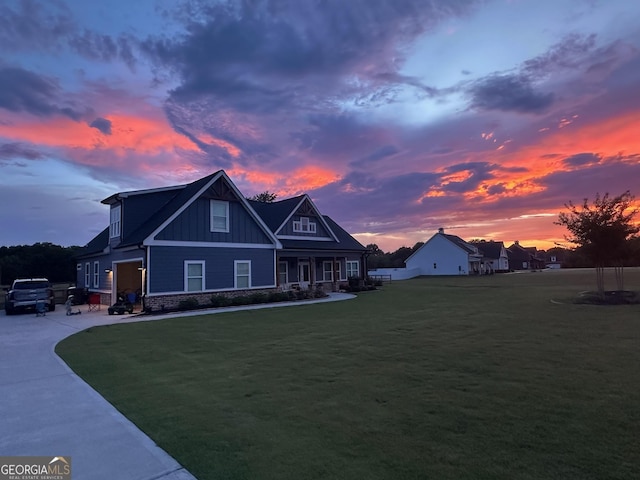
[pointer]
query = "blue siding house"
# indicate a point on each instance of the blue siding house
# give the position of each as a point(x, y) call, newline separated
point(205, 238)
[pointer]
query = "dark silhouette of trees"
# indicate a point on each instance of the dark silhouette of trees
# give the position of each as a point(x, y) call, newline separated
point(39, 260)
point(603, 232)
point(265, 197)
point(379, 259)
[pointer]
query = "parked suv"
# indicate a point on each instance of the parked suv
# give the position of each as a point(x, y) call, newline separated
point(26, 292)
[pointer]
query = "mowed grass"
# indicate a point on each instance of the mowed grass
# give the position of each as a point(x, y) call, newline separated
point(442, 378)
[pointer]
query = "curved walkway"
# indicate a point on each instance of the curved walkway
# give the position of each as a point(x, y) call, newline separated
point(46, 409)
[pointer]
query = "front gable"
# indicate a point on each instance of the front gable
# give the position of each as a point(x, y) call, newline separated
point(216, 214)
point(305, 222)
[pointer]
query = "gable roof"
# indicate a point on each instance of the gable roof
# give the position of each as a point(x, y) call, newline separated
point(454, 239)
point(490, 249)
point(460, 243)
point(344, 240)
point(96, 245)
point(160, 215)
point(160, 206)
point(277, 214)
point(274, 214)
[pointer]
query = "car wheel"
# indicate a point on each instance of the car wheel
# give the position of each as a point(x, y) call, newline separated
point(52, 307)
point(8, 310)
point(110, 312)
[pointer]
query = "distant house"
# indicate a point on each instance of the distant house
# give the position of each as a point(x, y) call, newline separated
point(524, 258)
point(445, 254)
point(205, 238)
point(554, 257)
point(494, 256)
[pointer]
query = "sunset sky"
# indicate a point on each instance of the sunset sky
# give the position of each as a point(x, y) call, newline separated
point(397, 117)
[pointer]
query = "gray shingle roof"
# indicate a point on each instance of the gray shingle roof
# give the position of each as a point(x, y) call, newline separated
point(156, 206)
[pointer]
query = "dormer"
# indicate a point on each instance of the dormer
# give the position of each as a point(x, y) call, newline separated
point(115, 222)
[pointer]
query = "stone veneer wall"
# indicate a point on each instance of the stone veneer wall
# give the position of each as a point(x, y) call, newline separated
point(171, 302)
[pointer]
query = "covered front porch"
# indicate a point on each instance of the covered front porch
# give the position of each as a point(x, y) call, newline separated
point(302, 271)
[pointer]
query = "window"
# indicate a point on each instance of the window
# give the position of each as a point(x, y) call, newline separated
point(283, 273)
point(219, 216)
point(87, 275)
point(114, 226)
point(242, 273)
point(327, 271)
point(353, 269)
point(304, 225)
point(96, 274)
point(194, 276)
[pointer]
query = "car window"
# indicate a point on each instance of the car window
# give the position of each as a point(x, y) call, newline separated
point(30, 285)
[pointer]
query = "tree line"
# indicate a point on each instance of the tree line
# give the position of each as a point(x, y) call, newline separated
point(38, 260)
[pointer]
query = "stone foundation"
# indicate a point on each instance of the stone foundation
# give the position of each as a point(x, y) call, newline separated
point(171, 302)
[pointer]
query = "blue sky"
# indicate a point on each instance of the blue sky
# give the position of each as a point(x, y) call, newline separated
point(397, 117)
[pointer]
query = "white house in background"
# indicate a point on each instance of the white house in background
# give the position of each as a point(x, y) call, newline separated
point(445, 254)
point(494, 256)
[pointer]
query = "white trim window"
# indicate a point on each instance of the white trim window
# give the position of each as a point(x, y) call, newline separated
point(353, 269)
point(283, 273)
point(194, 276)
point(242, 273)
point(219, 216)
point(96, 274)
point(327, 271)
point(87, 275)
point(114, 225)
point(304, 225)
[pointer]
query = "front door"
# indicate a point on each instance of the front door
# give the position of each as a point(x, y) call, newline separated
point(304, 274)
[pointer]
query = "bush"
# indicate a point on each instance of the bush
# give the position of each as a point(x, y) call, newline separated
point(258, 298)
point(188, 304)
point(220, 301)
point(241, 300)
point(278, 297)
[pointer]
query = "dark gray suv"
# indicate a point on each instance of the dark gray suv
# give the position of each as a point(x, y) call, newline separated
point(26, 293)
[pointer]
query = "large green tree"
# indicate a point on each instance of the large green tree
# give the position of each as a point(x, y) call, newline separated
point(602, 230)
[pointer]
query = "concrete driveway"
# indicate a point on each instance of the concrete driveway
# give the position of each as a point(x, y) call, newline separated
point(47, 410)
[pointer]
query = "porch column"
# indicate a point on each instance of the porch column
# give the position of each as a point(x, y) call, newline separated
point(277, 271)
point(312, 271)
point(335, 275)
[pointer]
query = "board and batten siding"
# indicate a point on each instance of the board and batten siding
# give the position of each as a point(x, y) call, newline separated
point(166, 267)
point(106, 261)
point(194, 225)
point(287, 228)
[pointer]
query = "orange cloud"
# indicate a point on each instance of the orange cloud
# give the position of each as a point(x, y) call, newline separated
point(608, 138)
point(218, 142)
point(143, 135)
point(295, 182)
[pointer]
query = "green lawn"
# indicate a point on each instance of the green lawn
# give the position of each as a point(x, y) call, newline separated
point(442, 378)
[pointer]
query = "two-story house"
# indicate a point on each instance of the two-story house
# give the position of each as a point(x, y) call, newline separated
point(205, 238)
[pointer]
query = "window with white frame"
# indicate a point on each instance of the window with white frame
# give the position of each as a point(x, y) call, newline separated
point(328, 269)
point(96, 274)
point(242, 273)
point(87, 275)
point(353, 269)
point(283, 273)
point(304, 225)
point(194, 276)
point(114, 225)
point(219, 216)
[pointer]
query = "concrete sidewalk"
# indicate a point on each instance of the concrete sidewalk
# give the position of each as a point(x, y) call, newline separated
point(47, 410)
